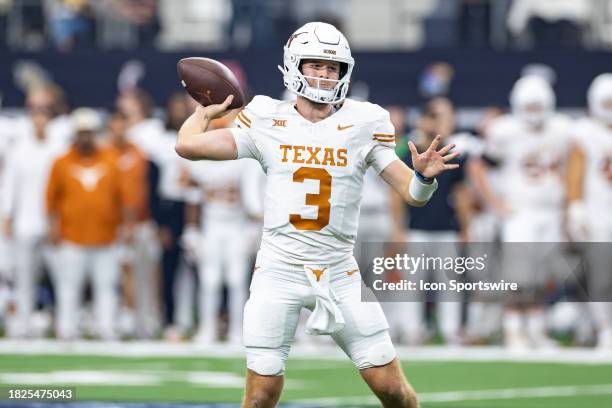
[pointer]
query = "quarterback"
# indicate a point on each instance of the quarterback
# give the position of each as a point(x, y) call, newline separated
point(315, 152)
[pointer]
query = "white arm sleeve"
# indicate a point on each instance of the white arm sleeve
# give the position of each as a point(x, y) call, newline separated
point(380, 157)
point(381, 152)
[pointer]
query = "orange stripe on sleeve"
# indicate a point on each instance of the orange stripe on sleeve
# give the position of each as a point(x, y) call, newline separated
point(245, 117)
point(243, 121)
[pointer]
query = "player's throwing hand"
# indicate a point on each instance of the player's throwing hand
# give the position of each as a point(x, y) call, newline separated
point(432, 162)
point(215, 111)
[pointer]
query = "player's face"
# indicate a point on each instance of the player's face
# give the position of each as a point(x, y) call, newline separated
point(322, 69)
point(40, 120)
point(85, 141)
point(40, 100)
point(117, 126)
point(607, 105)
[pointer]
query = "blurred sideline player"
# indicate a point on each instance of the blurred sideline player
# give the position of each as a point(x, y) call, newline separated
point(6, 267)
point(48, 98)
point(140, 281)
point(483, 317)
point(590, 200)
point(23, 212)
point(530, 148)
point(224, 247)
point(87, 200)
point(315, 159)
point(444, 220)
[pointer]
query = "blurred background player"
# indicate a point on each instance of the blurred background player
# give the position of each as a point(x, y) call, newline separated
point(590, 200)
point(168, 208)
point(136, 256)
point(45, 97)
point(24, 215)
point(224, 248)
point(530, 148)
point(87, 201)
point(444, 220)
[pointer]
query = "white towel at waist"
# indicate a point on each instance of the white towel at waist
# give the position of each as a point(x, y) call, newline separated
point(326, 318)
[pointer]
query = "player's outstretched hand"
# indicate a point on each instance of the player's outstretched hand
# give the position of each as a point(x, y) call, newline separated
point(432, 162)
point(211, 112)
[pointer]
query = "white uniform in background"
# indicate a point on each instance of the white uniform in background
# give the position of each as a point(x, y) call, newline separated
point(23, 200)
point(375, 218)
point(59, 130)
point(224, 251)
point(149, 136)
point(6, 264)
point(594, 138)
point(375, 226)
point(313, 192)
point(532, 165)
point(172, 173)
point(532, 148)
point(146, 249)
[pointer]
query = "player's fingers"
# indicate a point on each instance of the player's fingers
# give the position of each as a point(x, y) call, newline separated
point(413, 149)
point(228, 100)
point(446, 149)
point(434, 145)
point(450, 157)
point(451, 166)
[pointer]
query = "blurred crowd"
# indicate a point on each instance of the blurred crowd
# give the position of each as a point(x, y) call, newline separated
point(239, 24)
point(97, 205)
point(107, 233)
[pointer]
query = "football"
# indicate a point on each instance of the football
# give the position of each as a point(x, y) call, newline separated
point(209, 82)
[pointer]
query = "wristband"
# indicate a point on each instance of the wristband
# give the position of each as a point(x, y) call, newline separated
point(421, 191)
point(422, 178)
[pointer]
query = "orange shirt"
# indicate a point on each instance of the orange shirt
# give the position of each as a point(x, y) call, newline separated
point(87, 195)
point(134, 170)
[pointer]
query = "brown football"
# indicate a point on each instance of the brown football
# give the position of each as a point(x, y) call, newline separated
point(209, 82)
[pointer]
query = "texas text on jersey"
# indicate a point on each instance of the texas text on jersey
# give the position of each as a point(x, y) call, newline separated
point(315, 174)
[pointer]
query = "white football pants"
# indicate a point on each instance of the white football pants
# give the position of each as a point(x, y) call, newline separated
point(71, 266)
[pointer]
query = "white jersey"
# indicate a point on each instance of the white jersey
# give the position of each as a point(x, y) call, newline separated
point(595, 140)
point(376, 195)
point(60, 130)
point(314, 174)
point(148, 136)
point(25, 185)
point(532, 164)
point(220, 186)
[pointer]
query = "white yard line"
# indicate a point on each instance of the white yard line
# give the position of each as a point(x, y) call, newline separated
point(299, 352)
point(456, 396)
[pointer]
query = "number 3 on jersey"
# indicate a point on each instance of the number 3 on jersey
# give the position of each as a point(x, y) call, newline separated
point(320, 200)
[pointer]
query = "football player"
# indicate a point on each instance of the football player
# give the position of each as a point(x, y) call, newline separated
point(529, 147)
point(590, 198)
point(315, 152)
point(224, 252)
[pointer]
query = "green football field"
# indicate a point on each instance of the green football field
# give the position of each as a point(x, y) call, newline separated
point(311, 382)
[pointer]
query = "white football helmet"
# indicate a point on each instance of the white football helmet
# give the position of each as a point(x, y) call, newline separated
point(319, 41)
point(599, 93)
point(532, 91)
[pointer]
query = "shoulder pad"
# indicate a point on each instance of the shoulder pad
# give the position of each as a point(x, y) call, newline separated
point(263, 106)
point(504, 123)
point(367, 111)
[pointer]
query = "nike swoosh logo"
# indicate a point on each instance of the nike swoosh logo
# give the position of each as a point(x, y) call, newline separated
point(344, 127)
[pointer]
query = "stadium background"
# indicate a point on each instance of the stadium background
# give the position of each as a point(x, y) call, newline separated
point(97, 50)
